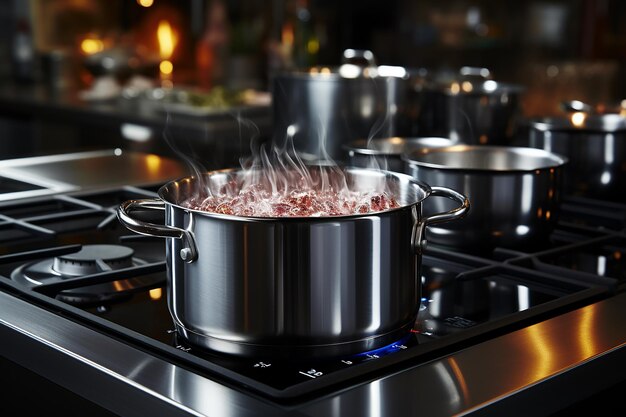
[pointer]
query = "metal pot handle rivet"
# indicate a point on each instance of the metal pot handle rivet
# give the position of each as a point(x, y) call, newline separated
point(188, 253)
point(417, 237)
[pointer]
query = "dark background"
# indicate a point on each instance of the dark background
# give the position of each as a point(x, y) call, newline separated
point(573, 47)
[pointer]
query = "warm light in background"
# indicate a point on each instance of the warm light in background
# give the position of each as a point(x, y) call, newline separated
point(156, 293)
point(153, 163)
point(167, 39)
point(145, 3)
point(287, 34)
point(467, 86)
point(90, 46)
point(578, 118)
point(167, 42)
point(166, 67)
point(313, 46)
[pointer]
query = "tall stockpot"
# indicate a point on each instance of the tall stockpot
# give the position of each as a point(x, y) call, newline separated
point(595, 145)
point(469, 107)
point(293, 286)
point(323, 108)
point(515, 193)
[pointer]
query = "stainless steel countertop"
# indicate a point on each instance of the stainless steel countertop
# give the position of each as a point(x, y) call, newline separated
point(530, 371)
point(81, 171)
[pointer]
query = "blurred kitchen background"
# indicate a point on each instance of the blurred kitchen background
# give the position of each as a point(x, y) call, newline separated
point(191, 77)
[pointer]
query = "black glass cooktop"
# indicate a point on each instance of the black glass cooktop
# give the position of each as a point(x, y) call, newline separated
point(465, 298)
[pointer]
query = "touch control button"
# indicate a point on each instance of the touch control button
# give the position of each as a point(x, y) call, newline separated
point(311, 373)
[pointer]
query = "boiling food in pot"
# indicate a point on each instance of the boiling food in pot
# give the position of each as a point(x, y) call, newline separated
point(259, 201)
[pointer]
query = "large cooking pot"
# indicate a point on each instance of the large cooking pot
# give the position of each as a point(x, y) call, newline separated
point(469, 107)
point(595, 145)
point(293, 285)
point(515, 194)
point(386, 153)
point(322, 108)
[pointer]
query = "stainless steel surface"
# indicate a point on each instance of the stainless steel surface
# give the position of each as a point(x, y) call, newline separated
point(299, 285)
point(322, 109)
point(537, 360)
point(87, 170)
point(468, 107)
point(478, 379)
point(129, 381)
point(596, 147)
point(385, 153)
point(515, 193)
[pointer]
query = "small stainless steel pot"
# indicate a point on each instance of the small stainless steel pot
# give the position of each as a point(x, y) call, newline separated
point(308, 286)
point(323, 108)
point(386, 153)
point(515, 193)
point(469, 107)
point(595, 145)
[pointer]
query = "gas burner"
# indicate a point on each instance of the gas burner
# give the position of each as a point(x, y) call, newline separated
point(92, 259)
point(88, 260)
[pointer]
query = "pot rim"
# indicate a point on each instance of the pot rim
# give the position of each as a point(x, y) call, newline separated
point(557, 160)
point(405, 178)
point(360, 146)
point(347, 72)
point(485, 88)
point(600, 123)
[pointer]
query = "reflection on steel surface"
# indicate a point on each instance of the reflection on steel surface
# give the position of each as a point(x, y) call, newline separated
point(462, 384)
point(586, 336)
point(473, 378)
point(540, 351)
point(539, 346)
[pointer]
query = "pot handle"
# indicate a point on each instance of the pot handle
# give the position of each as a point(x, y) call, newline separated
point(188, 253)
point(417, 237)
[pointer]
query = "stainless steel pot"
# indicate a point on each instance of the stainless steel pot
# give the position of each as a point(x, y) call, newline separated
point(296, 285)
point(386, 153)
point(323, 108)
point(468, 107)
point(515, 193)
point(595, 145)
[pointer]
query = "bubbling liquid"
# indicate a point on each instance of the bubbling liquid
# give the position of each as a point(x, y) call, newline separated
point(255, 200)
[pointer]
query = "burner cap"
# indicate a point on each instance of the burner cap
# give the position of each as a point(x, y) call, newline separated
point(93, 259)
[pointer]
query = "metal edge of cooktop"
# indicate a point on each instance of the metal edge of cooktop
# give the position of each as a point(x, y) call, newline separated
point(144, 382)
point(46, 159)
point(516, 361)
point(16, 170)
point(45, 185)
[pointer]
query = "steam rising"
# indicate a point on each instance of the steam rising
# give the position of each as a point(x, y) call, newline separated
point(275, 182)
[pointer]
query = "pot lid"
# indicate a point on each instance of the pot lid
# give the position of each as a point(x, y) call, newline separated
point(468, 80)
point(580, 121)
point(395, 146)
point(356, 63)
point(482, 158)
